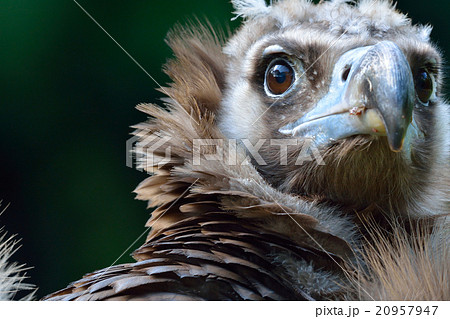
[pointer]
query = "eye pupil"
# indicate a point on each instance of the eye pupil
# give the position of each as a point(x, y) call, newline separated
point(280, 72)
point(424, 86)
point(279, 77)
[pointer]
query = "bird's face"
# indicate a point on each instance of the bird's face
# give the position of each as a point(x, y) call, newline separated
point(366, 100)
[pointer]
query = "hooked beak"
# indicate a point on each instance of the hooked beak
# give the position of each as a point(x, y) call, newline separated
point(376, 98)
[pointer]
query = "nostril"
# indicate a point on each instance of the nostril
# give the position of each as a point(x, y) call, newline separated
point(346, 73)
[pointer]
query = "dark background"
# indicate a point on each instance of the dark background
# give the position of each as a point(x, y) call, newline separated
point(67, 97)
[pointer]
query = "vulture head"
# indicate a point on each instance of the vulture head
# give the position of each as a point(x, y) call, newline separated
point(341, 100)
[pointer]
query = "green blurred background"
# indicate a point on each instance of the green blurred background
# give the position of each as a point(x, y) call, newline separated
point(67, 95)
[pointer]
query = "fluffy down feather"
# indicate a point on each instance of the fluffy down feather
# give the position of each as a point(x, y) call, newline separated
point(12, 275)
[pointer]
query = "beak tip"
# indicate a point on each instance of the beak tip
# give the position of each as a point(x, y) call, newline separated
point(396, 145)
point(396, 150)
point(396, 133)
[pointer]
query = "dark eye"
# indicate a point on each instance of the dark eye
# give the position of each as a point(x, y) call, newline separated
point(279, 77)
point(424, 85)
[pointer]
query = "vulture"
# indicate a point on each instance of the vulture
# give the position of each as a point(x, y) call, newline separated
point(304, 157)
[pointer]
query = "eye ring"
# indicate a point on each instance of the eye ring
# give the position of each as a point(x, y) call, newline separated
point(424, 84)
point(279, 77)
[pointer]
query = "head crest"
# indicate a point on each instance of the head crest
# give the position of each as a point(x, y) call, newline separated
point(250, 8)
